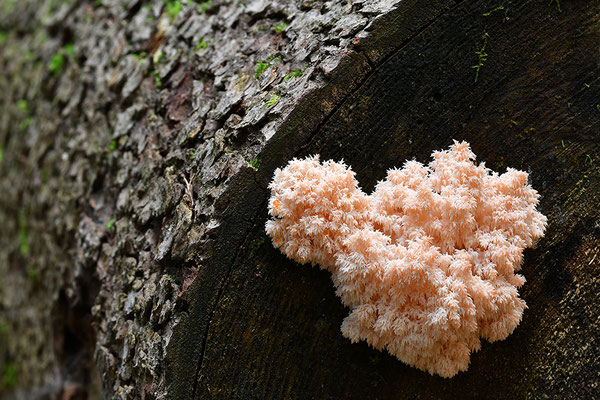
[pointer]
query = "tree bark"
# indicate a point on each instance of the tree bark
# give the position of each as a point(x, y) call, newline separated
point(137, 141)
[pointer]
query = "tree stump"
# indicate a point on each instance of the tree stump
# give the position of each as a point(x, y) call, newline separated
point(137, 144)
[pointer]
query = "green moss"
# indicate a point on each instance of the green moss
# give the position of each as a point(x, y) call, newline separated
point(279, 28)
point(24, 124)
point(272, 101)
point(497, 9)
point(9, 5)
point(56, 63)
point(32, 274)
point(588, 159)
point(28, 56)
point(482, 55)
point(157, 58)
point(9, 377)
point(69, 49)
point(110, 223)
point(254, 163)
point(23, 235)
point(22, 104)
point(141, 56)
point(260, 68)
point(294, 74)
point(173, 8)
point(202, 44)
point(4, 328)
point(203, 6)
point(150, 17)
point(157, 79)
point(3, 36)
point(487, 14)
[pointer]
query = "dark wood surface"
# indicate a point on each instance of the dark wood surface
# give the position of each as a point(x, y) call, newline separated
point(261, 326)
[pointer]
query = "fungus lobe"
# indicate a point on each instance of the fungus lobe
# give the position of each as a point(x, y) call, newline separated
point(427, 263)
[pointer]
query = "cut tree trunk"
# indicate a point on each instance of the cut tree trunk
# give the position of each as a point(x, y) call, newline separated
point(137, 142)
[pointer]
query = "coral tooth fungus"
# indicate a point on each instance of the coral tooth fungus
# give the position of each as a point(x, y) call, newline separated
point(426, 263)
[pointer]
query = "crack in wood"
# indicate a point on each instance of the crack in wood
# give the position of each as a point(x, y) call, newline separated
point(373, 70)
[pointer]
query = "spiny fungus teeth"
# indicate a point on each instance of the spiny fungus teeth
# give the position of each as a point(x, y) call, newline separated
point(426, 263)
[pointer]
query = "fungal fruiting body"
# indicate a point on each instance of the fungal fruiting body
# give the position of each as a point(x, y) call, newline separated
point(426, 263)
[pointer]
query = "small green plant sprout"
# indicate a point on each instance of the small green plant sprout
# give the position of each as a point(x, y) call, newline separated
point(9, 379)
point(157, 57)
point(22, 104)
point(69, 49)
point(499, 8)
point(23, 235)
point(9, 5)
point(202, 7)
point(557, 2)
point(56, 63)
point(141, 56)
point(157, 78)
point(272, 101)
point(24, 124)
point(4, 328)
point(3, 37)
point(173, 8)
point(487, 14)
point(482, 55)
point(28, 56)
point(32, 274)
point(191, 154)
point(202, 44)
point(260, 68)
point(254, 163)
point(279, 28)
point(587, 85)
point(275, 58)
point(294, 74)
point(589, 159)
point(112, 146)
point(150, 11)
point(110, 223)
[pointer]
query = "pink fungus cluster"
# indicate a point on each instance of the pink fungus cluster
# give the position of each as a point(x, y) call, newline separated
point(426, 263)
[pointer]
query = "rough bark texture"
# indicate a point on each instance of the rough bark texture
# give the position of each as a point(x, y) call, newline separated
point(117, 277)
